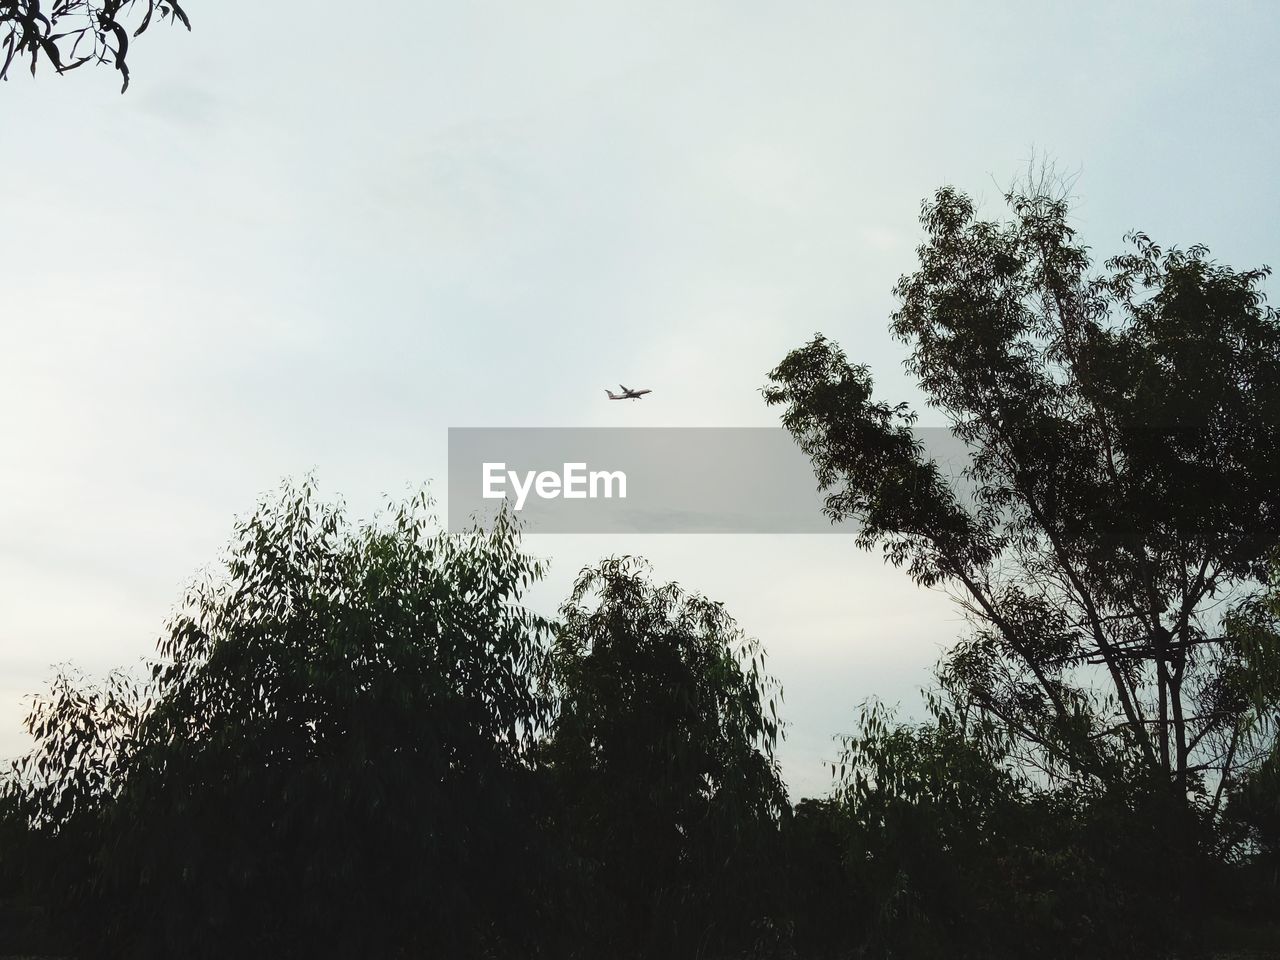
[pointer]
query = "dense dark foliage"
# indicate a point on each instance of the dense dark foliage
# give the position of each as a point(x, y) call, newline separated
point(329, 757)
point(661, 758)
point(356, 741)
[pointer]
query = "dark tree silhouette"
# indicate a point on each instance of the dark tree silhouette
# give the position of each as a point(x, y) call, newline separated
point(662, 756)
point(1251, 788)
point(1123, 430)
point(70, 33)
point(329, 759)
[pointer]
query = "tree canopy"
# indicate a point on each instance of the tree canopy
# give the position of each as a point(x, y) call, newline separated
point(1102, 742)
point(1122, 428)
point(356, 737)
point(328, 755)
point(662, 755)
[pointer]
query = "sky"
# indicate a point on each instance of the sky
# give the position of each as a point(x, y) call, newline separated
point(306, 242)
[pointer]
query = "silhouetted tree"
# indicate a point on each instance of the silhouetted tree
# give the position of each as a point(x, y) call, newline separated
point(71, 33)
point(949, 849)
point(1122, 431)
point(1250, 786)
point(662, 752)
point(329, 760)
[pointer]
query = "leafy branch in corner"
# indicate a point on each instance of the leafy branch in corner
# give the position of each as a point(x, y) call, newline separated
point(71, 33)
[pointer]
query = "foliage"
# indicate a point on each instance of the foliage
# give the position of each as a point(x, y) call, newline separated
point(330, 758)
point(662, 757)
point(355, 740)
point(1121, 431)
point(949, 850)
point(25, 925)
point(71, 33)
point(1251, 781)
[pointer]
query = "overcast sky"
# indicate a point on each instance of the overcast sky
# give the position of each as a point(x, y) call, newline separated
point(309, 241)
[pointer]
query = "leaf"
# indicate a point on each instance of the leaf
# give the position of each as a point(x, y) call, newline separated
point(8, 56)
point(146, 21)
point(122, 49)
point(180, 14)
point(51, 51)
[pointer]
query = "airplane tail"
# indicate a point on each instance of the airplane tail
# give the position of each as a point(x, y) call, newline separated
point(611, 395)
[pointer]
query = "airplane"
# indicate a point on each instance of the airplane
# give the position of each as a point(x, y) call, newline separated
point(626, 394)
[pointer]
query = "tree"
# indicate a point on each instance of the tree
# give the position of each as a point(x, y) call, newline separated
point(72, 33)
point(662, 756)
point(331, 755)
point(949, 849)
point(1250, 786)
point(1121, 429)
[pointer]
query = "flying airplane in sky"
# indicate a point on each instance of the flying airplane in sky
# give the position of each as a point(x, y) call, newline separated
point(626, 394)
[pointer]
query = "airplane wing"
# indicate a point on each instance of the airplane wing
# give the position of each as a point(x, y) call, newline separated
point(625, 388)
